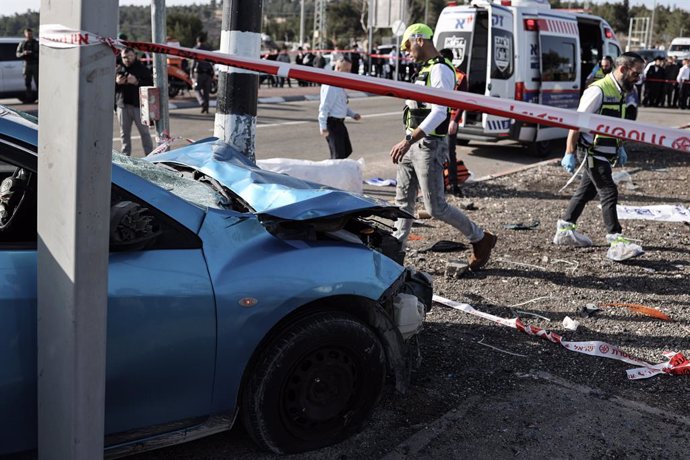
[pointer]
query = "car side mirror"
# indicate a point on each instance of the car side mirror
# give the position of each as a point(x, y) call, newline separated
point(132, 227)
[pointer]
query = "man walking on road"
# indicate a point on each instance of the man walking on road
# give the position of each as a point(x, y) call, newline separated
point(332, 112)
point(28, 51)
point(421, 154)
point(599, 153)
point(202, 72)
point(130, 75)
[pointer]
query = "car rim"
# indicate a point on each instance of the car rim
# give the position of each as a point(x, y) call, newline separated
point(319, 392)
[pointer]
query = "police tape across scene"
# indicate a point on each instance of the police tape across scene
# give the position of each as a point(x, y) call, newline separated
point(62, 37)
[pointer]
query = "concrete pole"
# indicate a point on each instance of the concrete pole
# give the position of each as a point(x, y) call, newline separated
point(74, 159)
point(426, 12)
point(651, 28)
point(238, 89)
point(160, 68)
point(370, 47)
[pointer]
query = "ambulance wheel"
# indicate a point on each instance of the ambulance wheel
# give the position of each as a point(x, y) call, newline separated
point(542, 149)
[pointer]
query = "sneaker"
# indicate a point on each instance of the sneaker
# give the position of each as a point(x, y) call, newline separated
point(621, 248)
point(566, 235)
point(481, 251)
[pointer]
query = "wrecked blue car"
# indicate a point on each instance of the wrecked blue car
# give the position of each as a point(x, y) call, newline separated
point(234, 294)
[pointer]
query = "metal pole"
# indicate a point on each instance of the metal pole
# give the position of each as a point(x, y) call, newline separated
point(301, 23)
point(627, 45)
point(160, 68)
point(74, 160)
point(651, 27)
point(370, 47)
point(426, 12)
point(238, 89)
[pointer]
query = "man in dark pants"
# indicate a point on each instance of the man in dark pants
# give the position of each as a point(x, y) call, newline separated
point(332, 112)
point(598, 153)
point(202, 72)
point(28, 52)
point(130, 75)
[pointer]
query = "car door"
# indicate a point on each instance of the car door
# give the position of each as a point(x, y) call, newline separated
point(161, 331)
point(559, 61)
point(501, 66)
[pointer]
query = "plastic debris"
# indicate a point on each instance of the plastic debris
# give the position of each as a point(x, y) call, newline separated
point(380, 182)
point(588, 310)
point(529, 313)
point(530, 301)
point(643, 309)
point(570, 323)
point(481, 342)
point(456, 268)
point(522, 226)
point(445, 246)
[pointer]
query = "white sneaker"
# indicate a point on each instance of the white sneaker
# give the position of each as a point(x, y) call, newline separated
point(621, 248)
point(566, 235)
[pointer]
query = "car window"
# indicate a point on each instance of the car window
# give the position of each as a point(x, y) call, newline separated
point(8, 52)
point(173, 181)
point(17, 206)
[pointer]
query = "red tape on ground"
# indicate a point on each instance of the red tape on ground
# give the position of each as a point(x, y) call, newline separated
point(529, 112)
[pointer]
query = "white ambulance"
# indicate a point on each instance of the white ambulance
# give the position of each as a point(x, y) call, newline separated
point(523, 50)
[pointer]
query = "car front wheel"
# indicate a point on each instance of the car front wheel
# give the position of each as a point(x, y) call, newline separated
point(314, 385)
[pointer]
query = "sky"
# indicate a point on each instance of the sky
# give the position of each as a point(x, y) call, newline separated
point(9, 7)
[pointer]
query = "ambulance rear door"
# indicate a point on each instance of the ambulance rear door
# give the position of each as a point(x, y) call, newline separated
point(559, 60)
point(500, 67)
point(455, 31)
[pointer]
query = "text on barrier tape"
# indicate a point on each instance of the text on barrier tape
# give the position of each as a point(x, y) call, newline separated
point(677, 364)
point(60, 36)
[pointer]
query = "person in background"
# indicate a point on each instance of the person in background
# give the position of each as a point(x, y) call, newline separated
point(283, 56)
point(333, 110)
point(129, 76)
point(28, 51)
point(599, 153)
point(600, 70)
point(654, 84)
point(420, 154)
point(202, 73)
point(356, 58)
point(683, 81)
point(671, 89)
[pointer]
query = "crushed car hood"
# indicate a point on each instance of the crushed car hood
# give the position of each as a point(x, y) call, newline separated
point(273, 194)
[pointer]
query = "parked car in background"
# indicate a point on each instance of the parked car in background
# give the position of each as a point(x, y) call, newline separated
point(233, 293)
point(11, 70)
point(650, 54)
point(680, 48)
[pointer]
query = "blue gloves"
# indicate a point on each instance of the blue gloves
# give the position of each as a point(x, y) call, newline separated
point(569, 162)
point(622, 156)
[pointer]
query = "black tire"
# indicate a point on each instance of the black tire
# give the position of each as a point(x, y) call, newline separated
point(214, 86)
point(314, 385)
point(542, 149)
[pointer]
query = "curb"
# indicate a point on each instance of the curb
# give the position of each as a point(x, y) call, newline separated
point(517, 170)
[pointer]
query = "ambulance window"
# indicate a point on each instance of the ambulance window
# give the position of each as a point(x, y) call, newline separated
point(613, 50)
point(503, 54)
point(558, 58)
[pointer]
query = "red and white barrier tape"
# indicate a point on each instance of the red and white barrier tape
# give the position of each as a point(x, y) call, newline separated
point(60, 36)
point(677, 364)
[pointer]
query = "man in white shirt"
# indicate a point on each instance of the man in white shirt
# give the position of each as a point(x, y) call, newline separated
point(683, 80)
point(421, 154)
point(332, 112)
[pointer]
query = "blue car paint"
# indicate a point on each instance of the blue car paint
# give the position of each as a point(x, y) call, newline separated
point(178, 339)
point(245, 261)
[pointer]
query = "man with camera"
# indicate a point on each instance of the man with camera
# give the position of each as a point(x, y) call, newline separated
point(130, 75)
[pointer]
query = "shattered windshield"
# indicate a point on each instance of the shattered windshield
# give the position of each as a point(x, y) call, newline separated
point(173, 181)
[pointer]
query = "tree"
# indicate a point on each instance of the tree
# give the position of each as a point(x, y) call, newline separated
point(184, 27)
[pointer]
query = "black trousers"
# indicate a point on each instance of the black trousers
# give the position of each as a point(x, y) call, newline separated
point(338, 138)
point(595, 180)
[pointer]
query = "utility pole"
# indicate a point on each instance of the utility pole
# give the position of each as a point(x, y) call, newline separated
point(651, 27)
point(426, 12)
point(238, 89)
point(74, 158)
point(320, 24)
point(370, 47)
point(160, 68)
point(301, 23)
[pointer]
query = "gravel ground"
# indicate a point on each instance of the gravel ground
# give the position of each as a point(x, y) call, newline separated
point(468, 400)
